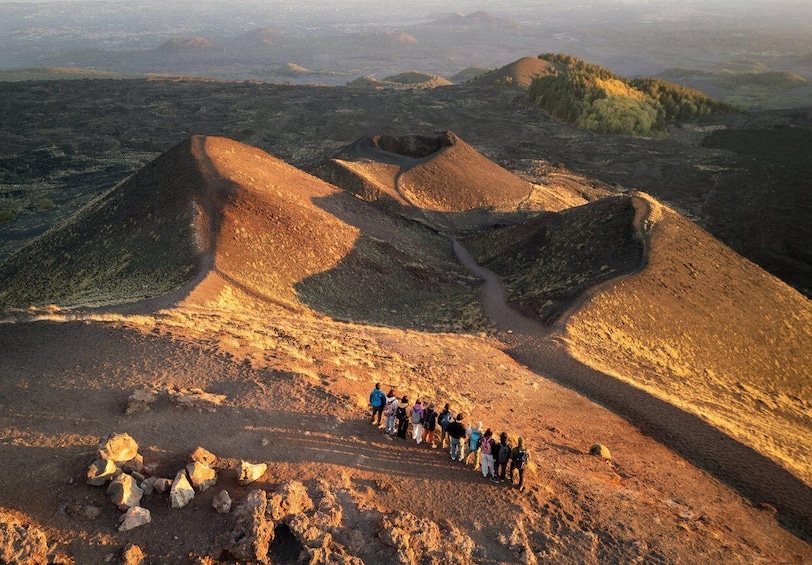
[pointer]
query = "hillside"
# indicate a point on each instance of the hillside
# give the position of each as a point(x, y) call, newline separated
point(520, 73)
point(442, 180)
point(594, 98)
point(689, 321)
point(225, 218)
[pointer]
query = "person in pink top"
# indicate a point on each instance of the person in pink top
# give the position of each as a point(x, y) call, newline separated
point(416, 416)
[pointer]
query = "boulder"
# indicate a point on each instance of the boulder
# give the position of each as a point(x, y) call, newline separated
point(162, 485)
point(135, 464)
point(249, 472)
point(416, 540)
point(119, 448)
point(133, 518)
point(201, 476)
point(204, 456)
point(148, 485)
point(181, 492)
point(253, 532)
point(124, 492)
point(288, 500)
point(140, 401)
point(21, 543)
point(222, 502)
point(132, 555)
point(601, 451)
point(101, 471)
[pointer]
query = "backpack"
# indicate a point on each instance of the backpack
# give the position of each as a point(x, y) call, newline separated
point(486, 446)
point(521, 459)
point(390, 408)
point(430, 417)
point(444, 419)
point(416, 417)
point(400, 412)
point(504, 452)
point(473, 443)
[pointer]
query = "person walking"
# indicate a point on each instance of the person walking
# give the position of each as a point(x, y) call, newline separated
point(417, 421)
point(473, 436)
point(502, 456)
point(444, 419)
point(519, 456)
point(390, 409)
point(376, 401)
point(488, 446)
point(456, 431)
point(402, 416)
point(430, 424)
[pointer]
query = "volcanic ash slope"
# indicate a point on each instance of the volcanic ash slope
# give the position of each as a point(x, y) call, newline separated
point(222, 223)
point(652, 299)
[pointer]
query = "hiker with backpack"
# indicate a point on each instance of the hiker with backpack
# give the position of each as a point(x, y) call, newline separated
point(519, 457)
point(444, 419)
point(502, 457)
point(390, 409)
point(456, 431)
point(430, 424)
point(376, 401)
point(474, 436)
point(416, 416)
point(401, 414)
point(488, 446)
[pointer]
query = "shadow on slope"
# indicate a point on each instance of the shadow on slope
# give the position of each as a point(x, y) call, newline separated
point(549, 261)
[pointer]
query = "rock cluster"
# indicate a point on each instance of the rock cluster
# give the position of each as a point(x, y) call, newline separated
point(123, 467)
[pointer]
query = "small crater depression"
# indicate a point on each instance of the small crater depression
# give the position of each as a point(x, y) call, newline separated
point(414, 146)
point(285, 549)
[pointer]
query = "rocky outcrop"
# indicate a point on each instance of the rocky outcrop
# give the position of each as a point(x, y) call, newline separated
point(204, 456)
point(21, 543)
point(252, 532)
point(196, 398)
point(419, 540)
point(140, 401)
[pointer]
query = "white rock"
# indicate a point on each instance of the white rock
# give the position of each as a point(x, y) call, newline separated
point(181, 492)
point(101, 471)
point(135, 516)
point(124, 493)
point(201, 476)
point(222, 502)
point(119, 448)
point(248, 472)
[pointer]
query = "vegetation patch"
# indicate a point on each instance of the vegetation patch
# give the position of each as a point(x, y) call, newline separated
point(594, 98)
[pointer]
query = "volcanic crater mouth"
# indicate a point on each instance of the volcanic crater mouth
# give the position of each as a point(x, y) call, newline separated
point(414, 146)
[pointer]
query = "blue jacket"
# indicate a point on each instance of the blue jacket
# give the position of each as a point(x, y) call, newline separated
point(377, 398)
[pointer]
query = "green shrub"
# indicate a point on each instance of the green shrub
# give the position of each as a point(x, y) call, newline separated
point(7, 216)
point(45, 204)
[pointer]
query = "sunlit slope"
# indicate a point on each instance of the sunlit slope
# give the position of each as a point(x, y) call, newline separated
point(519, 73)
point(707, 330)
point(256, 231)
point(439, 178)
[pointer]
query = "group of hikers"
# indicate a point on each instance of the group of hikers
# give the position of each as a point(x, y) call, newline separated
point(496, 459)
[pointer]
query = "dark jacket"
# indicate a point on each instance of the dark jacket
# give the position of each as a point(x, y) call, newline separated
point(456, 430)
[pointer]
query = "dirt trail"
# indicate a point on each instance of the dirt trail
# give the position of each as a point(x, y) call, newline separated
point(750, 473)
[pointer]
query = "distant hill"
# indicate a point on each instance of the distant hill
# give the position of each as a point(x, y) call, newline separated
point(719, 336)
point(266, 35)
point(216, 220)
point(520, 73)
point(475, 19)
point(594, 98)
point(411, 79)
point(184, 44)
point(468, 73)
